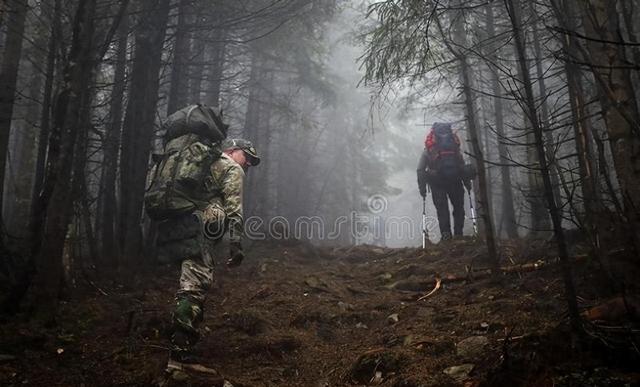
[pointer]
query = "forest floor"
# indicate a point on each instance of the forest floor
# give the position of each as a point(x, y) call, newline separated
point(295, 315)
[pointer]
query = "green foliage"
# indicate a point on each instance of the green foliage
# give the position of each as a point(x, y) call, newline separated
point(399, 45)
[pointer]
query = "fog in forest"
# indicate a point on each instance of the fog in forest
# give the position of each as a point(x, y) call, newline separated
point(322, 192)
point(293, 79)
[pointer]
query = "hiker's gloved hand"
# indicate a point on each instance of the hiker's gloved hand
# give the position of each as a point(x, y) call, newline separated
point(422, 182)
point(236, 255)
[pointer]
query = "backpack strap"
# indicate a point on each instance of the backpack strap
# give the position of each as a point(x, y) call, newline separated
point(217, 119)
point(191, 109)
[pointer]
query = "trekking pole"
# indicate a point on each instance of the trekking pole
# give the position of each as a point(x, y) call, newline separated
point(473, 213)
point(425, 232)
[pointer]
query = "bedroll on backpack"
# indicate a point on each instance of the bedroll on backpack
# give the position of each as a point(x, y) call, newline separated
point(205, 121)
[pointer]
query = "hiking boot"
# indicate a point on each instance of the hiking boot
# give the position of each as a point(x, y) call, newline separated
point(445, 236)
point(183, 340)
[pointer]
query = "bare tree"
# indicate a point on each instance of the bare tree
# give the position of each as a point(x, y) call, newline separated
point(606, 58)
point(139, 122)
point(37, 206)
point(181, 57)
point(17, 11)
point(58, 188)
point(506, 189)
point(460, 41)
point(532, 115)
point(108, 203)
point(566, 15)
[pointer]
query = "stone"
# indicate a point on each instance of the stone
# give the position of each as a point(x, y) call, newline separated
point(377, 379)
point(313, 282)
point(385, 277)
point(459, 372)
point(472, 347)
point(345, 307)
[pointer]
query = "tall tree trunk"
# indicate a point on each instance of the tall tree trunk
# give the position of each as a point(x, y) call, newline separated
point(11, 302)
point(139, 122)
point(252, 116)
point(109, 204)
point(201, 46)
point(619, 107)
point(544, 109)
point(535, 191)
point(85, 206)
point(36, 217)
point(214, 75)
point(80, 193)
point(460, 39)
point(28, 154)
point(3, 11)
point(196, 70)
point(483, 196)
point(487, 147)
point(178, 92)
point(582, 130)
point(253, 120)
point(508, 210)
point(59, 184)
point(514, 15)
point(604, 171)
point(259, 182)
point(629, 13)
point(17, 12)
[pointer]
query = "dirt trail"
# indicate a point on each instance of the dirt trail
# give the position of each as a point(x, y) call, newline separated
point(294, 315)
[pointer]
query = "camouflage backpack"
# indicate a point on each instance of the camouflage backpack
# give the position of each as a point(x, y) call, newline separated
point(176, 183)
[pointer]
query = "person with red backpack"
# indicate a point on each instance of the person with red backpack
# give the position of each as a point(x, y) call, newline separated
point(441, 166)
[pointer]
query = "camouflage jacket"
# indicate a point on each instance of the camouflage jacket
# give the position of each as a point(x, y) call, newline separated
point(228, 177)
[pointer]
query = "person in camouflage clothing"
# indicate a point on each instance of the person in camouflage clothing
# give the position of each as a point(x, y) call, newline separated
point(192, 237)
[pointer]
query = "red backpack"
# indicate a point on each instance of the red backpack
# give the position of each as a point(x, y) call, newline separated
point(443, 147)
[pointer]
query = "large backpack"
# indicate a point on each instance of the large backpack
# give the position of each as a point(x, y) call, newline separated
point(444, 152)
point(177, 181)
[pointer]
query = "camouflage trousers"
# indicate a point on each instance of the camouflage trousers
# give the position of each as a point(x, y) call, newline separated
point(183, 239)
